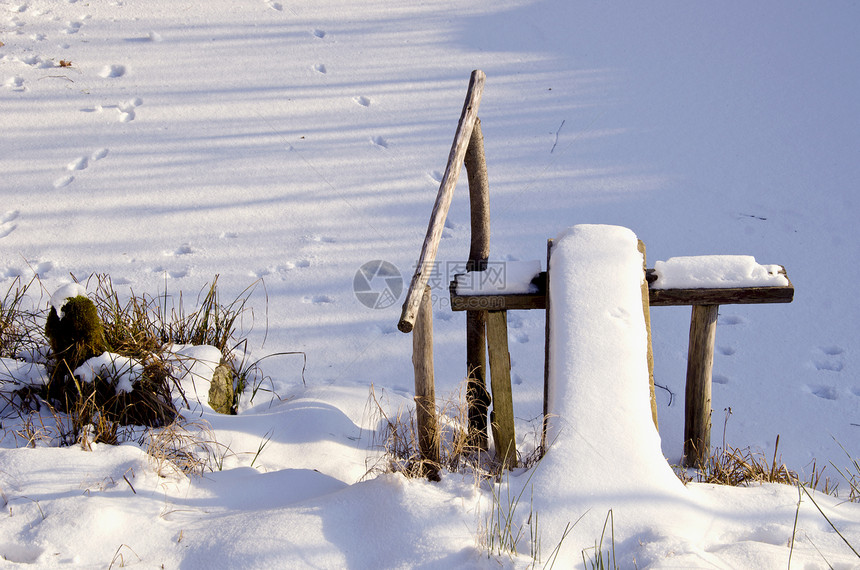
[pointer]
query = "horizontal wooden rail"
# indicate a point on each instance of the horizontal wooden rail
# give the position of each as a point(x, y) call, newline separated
point(700, 356)
point(656, 297)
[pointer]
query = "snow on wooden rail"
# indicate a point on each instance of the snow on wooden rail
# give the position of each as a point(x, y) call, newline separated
point(720, 291)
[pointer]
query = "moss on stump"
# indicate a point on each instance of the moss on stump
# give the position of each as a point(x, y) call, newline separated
point(75, 336)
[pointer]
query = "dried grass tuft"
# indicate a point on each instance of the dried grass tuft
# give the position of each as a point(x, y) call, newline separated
point(185, 447)
point(21, 335)
point(397, 437)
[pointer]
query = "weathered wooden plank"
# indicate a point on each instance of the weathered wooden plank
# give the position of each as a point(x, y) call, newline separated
point(728, 296)
point(657, 297)
point(500, 381)
point(443, 202)
point(519, 301)
point(697, 408)
point(429, 443)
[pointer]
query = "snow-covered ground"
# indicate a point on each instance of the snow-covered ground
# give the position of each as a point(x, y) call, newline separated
point(288, 143)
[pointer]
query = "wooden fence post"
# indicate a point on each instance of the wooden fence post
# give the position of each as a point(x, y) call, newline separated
point(500, 380)
point(546, 355)
point(646, 308)
point(425, 391)
point(697, 409)
point(477, 397)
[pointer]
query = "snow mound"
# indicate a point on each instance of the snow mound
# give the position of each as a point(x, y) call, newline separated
point(716, 271)
point(599, 400)
point(603, 448)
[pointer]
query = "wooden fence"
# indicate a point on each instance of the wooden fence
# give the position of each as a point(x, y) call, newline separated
point(486, 317)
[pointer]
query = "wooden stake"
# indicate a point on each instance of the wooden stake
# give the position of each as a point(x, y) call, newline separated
point(425, 392)
point(477, 397)
point(443, 202)
point(500, 380)
point(700, 360)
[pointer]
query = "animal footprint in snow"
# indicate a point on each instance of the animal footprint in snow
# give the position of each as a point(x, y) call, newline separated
point(78, 164)
point(184, 249)
point(318, 299)
point(825, 392)
point(10, 216)
point(318, 34)
point(276, 6)
point(43, 267)
point(6, 225)
point(280, 270)
point(319, 239)
point(829, 358)
point(320, 68)
point(379, 142)
point(99, 154)
point(126, 109)
point(174, 273)
point(72, 28)
point(726, 350)
point(114, 70)
point(363, 101)
point(730, 320)
point(620, 313)
point(15, 83)
point(63, 181)
point(831, 366)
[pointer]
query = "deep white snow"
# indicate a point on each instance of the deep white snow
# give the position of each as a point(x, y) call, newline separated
point(284, 144)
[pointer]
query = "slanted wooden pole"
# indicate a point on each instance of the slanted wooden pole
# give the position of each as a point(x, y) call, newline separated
point(646, 309)
point(700, 361)
point(500, 381)
point(477, 397)
point(425, 392)
point(443, 202)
